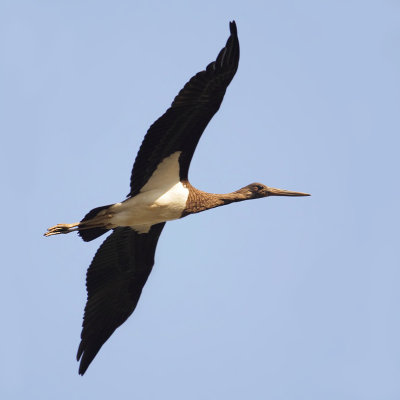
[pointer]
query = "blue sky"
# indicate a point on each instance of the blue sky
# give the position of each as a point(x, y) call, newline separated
point(281, 298)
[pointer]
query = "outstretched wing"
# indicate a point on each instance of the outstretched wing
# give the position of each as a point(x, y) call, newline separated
point(114, 283)
point(180, 128)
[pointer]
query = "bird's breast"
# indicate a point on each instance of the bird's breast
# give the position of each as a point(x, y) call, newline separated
point(151, 207)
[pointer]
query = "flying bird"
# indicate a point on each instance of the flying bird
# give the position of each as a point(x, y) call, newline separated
point(160, 192)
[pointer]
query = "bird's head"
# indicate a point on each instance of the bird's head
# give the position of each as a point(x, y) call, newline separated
point(258, 190)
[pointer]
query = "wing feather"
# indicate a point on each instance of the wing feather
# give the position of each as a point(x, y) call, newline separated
point(114, 283)
point(182, 125)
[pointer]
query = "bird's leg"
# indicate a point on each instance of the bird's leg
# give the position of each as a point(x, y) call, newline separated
point(62, 228)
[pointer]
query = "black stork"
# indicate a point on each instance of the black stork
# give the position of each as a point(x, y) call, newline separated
point(160, 192)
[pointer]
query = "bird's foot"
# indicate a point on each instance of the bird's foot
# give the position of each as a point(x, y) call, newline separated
point(61, 228)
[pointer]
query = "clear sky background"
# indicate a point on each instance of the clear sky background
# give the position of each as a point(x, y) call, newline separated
point(280, 298)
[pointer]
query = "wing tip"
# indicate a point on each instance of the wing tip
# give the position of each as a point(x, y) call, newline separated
point(86, 356)
point(228, 58)
point(233, 28)
point(82, 367)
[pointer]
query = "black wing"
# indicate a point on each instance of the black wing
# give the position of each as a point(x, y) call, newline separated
point(180, 128)
point(114, 283)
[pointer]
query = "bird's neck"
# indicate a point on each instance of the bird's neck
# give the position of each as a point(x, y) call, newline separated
point(199, 201)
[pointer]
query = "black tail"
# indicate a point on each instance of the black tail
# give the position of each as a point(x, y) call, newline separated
point(93, 233)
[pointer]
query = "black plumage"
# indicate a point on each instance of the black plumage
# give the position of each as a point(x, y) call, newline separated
point(123, 262)
point(114, 283)
point(181, 126)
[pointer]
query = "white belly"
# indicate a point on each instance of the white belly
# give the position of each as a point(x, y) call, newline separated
point(162, 198)
point(151, 207)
